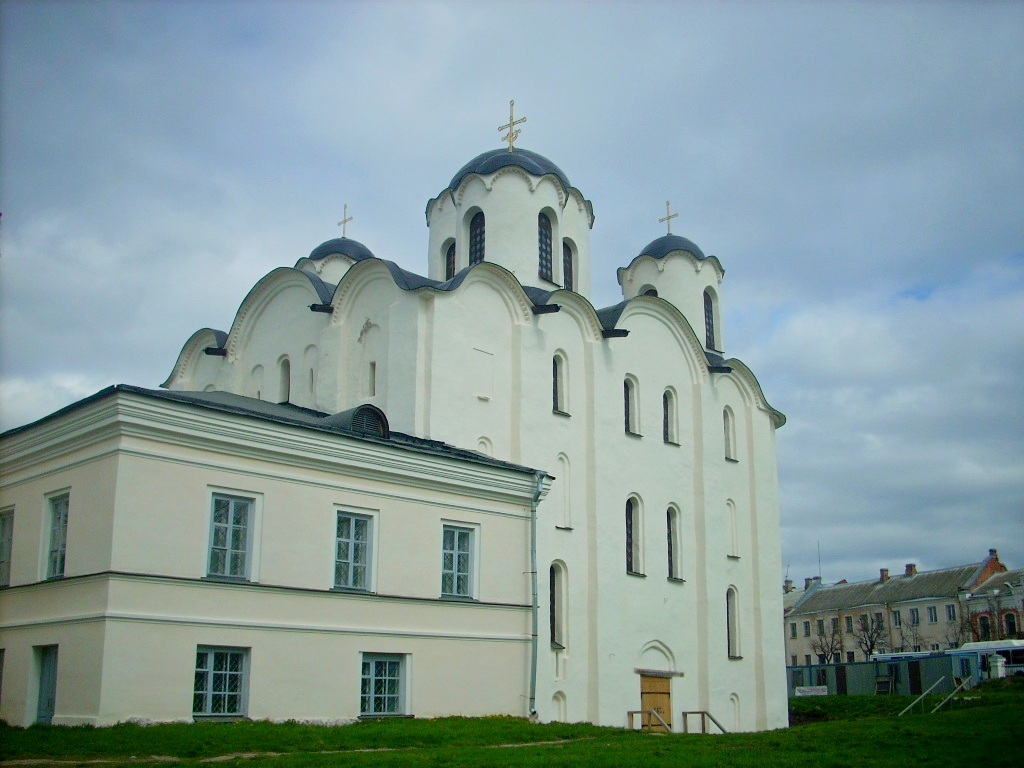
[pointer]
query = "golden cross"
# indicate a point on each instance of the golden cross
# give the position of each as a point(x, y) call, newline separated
point(512, 134)
point(345, 219)
point(668, 217)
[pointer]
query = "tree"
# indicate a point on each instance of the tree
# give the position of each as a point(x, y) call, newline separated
point(870, 636)
point(910, 637)
point(958, 632)
point(829, 644)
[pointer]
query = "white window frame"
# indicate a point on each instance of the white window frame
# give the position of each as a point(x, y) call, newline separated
point(468, 570)
point(215, 703)
point(933, 614)
point(396, 669)
point(915, 617)
point(57, 538)
point(950, 611)
point(255, 502)
point(6, 545)
point(367, 517)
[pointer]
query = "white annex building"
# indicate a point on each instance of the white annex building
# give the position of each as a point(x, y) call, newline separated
point(381, 493)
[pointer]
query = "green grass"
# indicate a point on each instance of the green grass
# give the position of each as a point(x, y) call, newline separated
point(837, 732)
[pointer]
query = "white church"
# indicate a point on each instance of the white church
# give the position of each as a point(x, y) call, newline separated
point(387, 494)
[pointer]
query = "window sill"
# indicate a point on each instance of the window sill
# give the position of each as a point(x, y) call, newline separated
point(671, 442)
point(351, 590)
point(676, 580)
point(563, 527)
point(633, 434)
point(732, 557)
point(561, 413)
point(735, 658)
point(200, 718)
point(557, 646)
point(731, 460)
point(226, 579)
point(385, 716)
point(458, 599)
point(636, 573)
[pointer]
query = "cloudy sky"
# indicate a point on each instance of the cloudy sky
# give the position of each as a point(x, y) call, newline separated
point(857, 167)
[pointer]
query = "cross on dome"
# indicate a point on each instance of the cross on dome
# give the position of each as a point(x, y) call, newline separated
point(513, 132)
point(668, 217)
point(345, 219)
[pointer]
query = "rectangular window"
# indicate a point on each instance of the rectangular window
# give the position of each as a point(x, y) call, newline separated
point(792, 631)
point(807, 659)
point(457, 562)
point(915, 617)
point(807, 629)
point(933, 614)
point(381, 689)
point(850, 657)
point(835, 625)
point(352, 551)
point(58, 536)
point(792, 660)
point(6, 547)
point(230, 537)
point(876, 621)
point(220, 686)
point(950, 612)
point(849, 624)
point(819, 627)
point(897, 619)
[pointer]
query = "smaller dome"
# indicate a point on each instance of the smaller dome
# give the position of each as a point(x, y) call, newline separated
point(496, 159)
point(664, 245)
point(343, 245)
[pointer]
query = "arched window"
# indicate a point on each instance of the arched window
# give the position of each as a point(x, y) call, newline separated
point(568, 278)
point(709, 321)
point(651, 292)
point(544, 246)
point(559, 402)
point(633, 537)
point(984, 628)
point(1010, 623)
point(557, 605)
point(729, 428)
point(449, 262)
point(732, 623)
point(672, 532)
point(668, 417)
point(284, 387)
point(629, 405)
point(476, 238)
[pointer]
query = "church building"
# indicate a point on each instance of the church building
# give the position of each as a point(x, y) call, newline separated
point(386, 493)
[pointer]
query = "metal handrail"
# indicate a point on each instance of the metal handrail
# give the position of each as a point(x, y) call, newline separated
point(930, 689)
point(704, 717)
point(963, 684)
point(630, 713)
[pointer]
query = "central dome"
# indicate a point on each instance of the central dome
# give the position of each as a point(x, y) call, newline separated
point(496, 159)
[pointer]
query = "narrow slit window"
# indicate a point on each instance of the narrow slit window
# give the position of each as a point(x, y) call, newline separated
point(544, 246)
point(476, 238)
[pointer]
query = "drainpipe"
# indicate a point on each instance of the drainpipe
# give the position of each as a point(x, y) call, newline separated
point(535, 606)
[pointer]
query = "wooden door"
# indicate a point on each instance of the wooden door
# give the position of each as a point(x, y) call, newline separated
point(656, 695)
point(47, 684)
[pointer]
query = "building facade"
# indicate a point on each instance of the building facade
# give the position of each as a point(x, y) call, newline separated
point(657, 547)
point(916, 611)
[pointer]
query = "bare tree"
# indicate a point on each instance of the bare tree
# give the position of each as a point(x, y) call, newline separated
point(958, 632)
point(870, 636)
point(829, 645)
point(910, 637)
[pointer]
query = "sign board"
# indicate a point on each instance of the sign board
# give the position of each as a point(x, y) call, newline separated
point(811, 690)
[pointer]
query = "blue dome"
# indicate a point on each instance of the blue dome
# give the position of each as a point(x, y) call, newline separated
point(489, 162)
point(343, 245)
point(664, 245)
